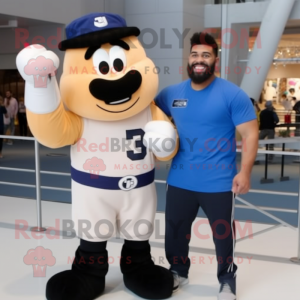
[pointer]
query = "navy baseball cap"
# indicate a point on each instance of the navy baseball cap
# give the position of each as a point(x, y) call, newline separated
point(95, 29)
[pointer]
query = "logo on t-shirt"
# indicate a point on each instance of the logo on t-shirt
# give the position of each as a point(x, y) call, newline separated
point(180, 103)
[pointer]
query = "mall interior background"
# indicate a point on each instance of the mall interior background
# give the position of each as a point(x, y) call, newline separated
point(166, 27)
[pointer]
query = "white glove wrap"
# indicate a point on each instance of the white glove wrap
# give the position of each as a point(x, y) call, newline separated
point(35, 64)
point(160, 138)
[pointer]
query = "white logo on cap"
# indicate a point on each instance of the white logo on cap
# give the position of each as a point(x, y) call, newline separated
point(100, 22)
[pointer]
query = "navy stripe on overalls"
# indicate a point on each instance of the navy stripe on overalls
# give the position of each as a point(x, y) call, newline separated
point(109, 183)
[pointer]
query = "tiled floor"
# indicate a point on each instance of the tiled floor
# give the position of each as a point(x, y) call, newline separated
point(265, 272)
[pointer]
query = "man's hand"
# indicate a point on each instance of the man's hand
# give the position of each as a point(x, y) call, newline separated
point(241, 184)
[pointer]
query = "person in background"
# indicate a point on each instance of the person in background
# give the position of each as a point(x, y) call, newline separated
point(22, 117)
point(268, 121)
point(291, 95)
point(286, 103)
point(11, 105)
point(3, 112)
point(296, 108)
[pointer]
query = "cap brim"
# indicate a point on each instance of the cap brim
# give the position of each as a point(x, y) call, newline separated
point(97, 38)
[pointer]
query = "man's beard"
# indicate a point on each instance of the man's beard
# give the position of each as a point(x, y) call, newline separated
point(200, 77)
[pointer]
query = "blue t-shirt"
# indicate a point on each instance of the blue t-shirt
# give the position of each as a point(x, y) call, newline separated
point(205, 122)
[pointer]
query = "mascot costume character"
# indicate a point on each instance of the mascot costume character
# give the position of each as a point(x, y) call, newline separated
point(105, 99)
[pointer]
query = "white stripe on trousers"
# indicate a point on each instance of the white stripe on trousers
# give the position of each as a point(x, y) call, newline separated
point(230, 269)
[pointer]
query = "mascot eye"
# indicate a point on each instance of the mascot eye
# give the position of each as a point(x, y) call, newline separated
point(118, 65)
point(104, 67)
point(101, 62)
point(117, 59)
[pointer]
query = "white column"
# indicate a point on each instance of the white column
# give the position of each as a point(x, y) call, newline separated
point(226, 40)
point(261, 58)
point(239, 49)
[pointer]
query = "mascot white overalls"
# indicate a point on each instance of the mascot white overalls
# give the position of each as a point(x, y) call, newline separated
point(104, 110)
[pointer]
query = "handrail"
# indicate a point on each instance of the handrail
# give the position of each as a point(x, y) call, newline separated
point(246, 205)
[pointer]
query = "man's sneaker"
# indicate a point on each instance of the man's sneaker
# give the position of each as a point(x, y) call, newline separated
point(178, 281)
point(226, 293)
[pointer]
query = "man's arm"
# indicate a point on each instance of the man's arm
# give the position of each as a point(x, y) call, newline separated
point(249, 133)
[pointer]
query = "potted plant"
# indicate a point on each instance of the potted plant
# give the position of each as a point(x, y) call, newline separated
point(284, 133)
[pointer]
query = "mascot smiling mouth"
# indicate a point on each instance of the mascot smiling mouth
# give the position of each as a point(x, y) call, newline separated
point(115, 92)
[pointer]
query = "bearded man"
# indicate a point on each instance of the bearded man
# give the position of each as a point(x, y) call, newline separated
point(207, 111)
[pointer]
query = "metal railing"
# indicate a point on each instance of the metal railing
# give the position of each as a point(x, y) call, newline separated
point(231, 1)
point(38, 173)
point(247, 205)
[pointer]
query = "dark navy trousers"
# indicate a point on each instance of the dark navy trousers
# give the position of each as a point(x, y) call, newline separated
point(181, 210)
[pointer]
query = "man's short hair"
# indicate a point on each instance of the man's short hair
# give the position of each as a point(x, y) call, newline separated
point(203, 38)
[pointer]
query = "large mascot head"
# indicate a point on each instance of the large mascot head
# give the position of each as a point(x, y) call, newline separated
point(106, 73)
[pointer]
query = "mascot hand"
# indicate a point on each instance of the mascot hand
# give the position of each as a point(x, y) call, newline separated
point(38, 67)
point(160, 138)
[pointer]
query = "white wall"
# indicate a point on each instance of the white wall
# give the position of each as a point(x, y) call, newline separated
point(58, 11)
point(289, 71)
point(53, 11)
point(173, 22)
point(61, 12)
point(250, 12)
point(157, 20)
point(13, 45)
point(238, 51)
point(114, 6)
point(193, 21)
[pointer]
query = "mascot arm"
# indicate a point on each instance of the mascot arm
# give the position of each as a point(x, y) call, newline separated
point(56, 129)
point(49, 122)
point(162, 130)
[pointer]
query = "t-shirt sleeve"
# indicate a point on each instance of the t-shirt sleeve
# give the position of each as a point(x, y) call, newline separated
point(242, 110)
point(161, 101)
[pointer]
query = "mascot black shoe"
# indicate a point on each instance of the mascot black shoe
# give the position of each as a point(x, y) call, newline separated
point(141, 275)
point(104, 109)
point(86, 280)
